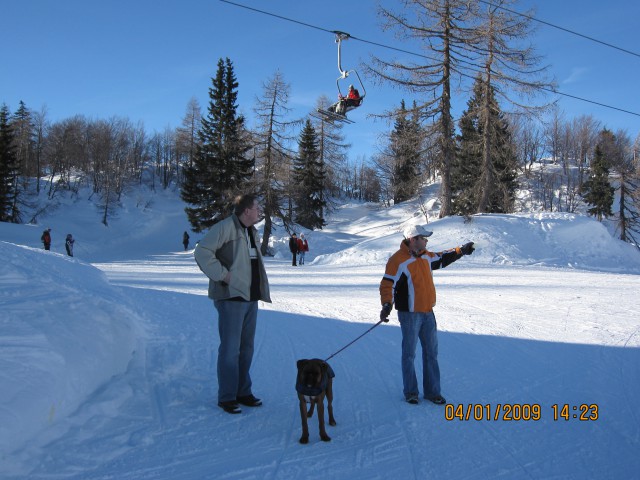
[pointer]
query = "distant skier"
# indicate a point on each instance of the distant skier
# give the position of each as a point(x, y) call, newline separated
point(68, 243)
point(185, 241)
point(46, 239)
point(293, 247)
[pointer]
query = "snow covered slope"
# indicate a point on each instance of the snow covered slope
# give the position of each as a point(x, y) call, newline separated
point(117, 379)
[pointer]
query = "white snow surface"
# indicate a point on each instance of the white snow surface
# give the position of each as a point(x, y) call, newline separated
point(108, 359)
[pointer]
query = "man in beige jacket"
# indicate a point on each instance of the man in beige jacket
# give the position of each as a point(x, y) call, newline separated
point(230, 257)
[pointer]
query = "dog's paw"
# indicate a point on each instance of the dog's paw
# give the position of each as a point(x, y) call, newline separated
point(332, 422)
point(325, 438)
point(304, 439)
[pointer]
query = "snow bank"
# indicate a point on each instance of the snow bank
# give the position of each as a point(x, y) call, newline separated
point(543, 239)
point(69, 333)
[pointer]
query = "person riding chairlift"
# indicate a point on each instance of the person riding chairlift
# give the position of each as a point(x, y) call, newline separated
point(351, 100)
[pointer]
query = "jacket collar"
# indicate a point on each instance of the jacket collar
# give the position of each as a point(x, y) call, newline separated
point(404, 247)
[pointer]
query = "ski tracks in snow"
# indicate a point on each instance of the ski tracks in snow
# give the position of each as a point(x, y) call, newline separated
point(160, 419)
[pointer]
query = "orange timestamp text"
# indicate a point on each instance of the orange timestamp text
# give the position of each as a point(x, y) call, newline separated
point(515, 412)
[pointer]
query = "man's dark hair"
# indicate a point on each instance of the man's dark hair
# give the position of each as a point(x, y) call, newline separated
point(242, 202)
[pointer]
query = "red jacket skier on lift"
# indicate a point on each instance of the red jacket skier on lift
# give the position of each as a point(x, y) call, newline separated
point(351, 100)
point(353, 97)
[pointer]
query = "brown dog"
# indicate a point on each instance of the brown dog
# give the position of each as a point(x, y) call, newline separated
point(314, 383)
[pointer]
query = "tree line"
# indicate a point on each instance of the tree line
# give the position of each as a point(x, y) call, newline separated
point(483, 159)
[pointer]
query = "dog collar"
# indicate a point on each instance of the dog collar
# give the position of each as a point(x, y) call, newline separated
point(311, 391)
point(318, 389)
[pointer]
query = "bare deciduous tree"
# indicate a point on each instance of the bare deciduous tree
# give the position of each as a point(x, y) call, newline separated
point(510, 71)
point(332, 149)
point(41, 128)
point(273, 140)
point(529, 141)
point(586, 129)
point(187, 135)
point(443, 28)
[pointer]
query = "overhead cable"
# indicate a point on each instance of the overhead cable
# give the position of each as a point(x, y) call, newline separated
point(559, 28)
point(424, 56)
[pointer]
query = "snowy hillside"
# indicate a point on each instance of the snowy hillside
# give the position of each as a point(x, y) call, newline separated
point(107, 359)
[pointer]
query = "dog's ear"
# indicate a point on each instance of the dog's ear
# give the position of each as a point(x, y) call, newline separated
point(324, 366)
point(300, 363)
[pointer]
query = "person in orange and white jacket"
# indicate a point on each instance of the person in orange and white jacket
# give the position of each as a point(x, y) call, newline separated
point(408, 283)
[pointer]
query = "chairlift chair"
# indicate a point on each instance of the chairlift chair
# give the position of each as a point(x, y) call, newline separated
point(338, 110)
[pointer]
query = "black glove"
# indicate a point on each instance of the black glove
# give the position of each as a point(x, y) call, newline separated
point(384, 313)
point(467, 248)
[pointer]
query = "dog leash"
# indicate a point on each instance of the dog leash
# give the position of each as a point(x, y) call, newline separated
point(353, 341)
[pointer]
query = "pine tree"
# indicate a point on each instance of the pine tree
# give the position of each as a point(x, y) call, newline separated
point(484, 177)
point(629, 200)
point(24, 139)
point(404, 148)
point(505, 163)
point(308, 176)
point(597, 191)
point(8, 170)
point(221, 169)
point(467, 163)
point(629, 207)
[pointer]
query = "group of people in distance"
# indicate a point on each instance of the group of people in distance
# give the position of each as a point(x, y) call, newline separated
point(45, 238)
point(298, 247)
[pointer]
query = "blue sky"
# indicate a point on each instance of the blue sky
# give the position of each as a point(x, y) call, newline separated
point(145, 59)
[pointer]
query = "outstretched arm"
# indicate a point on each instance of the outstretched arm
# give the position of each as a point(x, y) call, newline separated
point(447, 257)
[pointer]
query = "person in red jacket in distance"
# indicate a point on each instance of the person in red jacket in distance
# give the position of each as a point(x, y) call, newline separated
point(303, 247)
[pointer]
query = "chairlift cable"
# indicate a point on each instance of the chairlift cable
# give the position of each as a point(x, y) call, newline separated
point(408, 52)
point(335, 32)
point(560, 28)
point(278, 16)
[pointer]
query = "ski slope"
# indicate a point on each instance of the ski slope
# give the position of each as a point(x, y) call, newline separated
point(108, 358)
